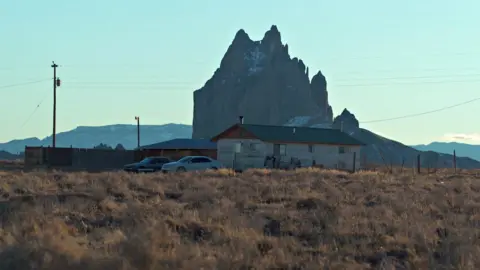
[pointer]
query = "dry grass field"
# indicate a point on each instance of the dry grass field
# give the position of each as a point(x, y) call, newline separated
point(14, 165)
point(306, 219)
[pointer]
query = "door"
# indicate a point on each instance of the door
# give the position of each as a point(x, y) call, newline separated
point(276, 150)
point(194, 164)
point(279, 150)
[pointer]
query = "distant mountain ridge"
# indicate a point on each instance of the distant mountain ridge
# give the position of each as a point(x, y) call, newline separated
point(88, 137)
point(4, 155)
point(126, 135)
point(461, 149)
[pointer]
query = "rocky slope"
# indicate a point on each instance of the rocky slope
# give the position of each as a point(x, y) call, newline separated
point(88, 137)
point(383, 151)
point(462, 149)
point(262, 82)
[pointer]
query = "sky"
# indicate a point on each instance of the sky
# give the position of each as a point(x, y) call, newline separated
point(119, 59)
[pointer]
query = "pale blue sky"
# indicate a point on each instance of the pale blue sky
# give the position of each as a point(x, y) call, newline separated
point(124, 58)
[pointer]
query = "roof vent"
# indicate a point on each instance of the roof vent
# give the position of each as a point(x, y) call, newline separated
point(240, 119)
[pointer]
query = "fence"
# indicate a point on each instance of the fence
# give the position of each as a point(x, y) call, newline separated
point(77, 158)
point(243, 161)
point(98, 159)
point(424, 162)
point(106, 159)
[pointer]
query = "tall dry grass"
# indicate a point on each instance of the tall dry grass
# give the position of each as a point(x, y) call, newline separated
point(308, 219)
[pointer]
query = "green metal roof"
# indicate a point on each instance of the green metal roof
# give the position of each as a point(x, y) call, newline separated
point(301, 135)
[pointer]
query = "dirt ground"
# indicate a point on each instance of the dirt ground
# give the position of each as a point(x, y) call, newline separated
point(305, 219)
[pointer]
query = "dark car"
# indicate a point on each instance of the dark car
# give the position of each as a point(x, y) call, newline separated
point(149, 164)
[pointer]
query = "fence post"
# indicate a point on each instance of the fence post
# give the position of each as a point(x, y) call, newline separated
point(363, 162)
point(418, 163)
point(234, 160)
point(454, 162)
point(354, 160)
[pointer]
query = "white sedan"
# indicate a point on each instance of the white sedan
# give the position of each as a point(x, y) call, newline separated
point(192, 163)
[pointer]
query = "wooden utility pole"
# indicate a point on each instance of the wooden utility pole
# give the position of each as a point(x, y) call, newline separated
point(138, 131)
point(56, 82)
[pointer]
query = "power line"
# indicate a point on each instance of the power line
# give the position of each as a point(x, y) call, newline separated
point(419, 77)
point(453, 76)
point(33, 112)
point(341, 70)
point(422, 54)
point(422, 113)
point(128, 82)
point(25, 83)
point(406, 83)
point(177, 85)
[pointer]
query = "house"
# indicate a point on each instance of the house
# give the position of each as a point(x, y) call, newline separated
point(178, 148)
point(244, 146)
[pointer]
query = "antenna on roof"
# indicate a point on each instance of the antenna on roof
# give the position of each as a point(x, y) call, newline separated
point(240, 119)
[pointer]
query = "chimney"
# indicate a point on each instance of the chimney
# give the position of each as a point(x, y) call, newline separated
point(293, 130)
point(240, 118)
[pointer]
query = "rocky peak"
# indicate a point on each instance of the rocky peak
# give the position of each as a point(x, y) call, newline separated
point(241, 35)
point(347, 121)
point(319, 81)
point(318, 88)
point(272, 37)
point(261, 81)
point(241, 38)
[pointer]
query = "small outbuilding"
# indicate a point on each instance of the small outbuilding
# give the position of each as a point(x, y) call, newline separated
point(178, 148)
point(244, 146)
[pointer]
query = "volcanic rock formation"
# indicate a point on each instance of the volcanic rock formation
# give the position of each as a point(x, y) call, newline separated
point(260, 81)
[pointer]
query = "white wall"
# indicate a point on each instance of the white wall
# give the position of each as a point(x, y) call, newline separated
point(326, 155)
point(247, 158)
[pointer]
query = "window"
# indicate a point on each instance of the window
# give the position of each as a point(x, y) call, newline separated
point(161, 160)
point(279, 149)
point(341, 149)
point(205, 160)
point(237, 148)
point(184, 159)
point(200, 160)
point(311, 148)
point(254, 146)
point(196, 160)
point(147, 161)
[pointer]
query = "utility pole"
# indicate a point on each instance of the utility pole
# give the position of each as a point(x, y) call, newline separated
point(138, 131)
point(56, 82)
